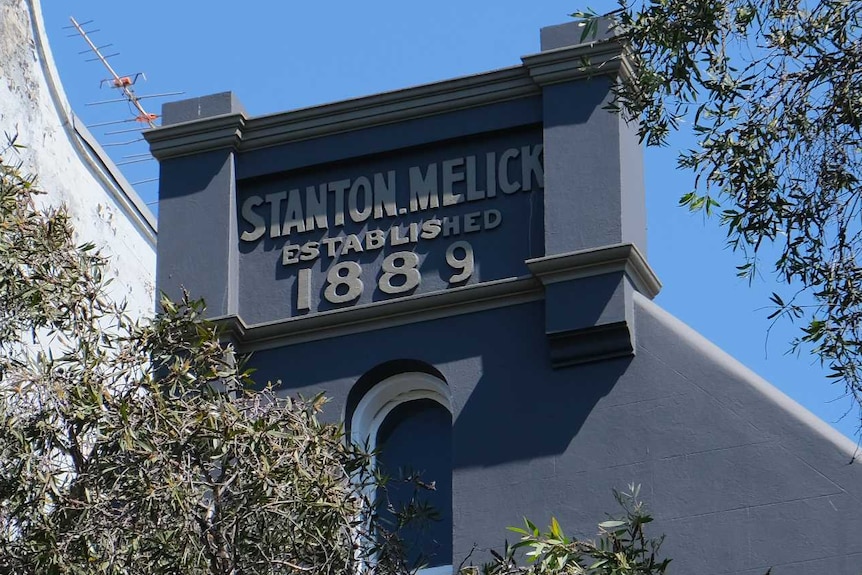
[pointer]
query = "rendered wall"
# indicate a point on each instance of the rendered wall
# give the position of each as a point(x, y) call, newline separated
point(70, 166)
point(566, 380)
point(739, 476)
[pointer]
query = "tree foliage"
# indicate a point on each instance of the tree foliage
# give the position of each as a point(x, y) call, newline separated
point(772, 91)
point(622, 547)
point(141, 447)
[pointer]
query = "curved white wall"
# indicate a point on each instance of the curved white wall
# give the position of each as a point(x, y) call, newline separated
point(70, 166)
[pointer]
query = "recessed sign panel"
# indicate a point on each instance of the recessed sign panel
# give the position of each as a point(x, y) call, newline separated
point(389, 226)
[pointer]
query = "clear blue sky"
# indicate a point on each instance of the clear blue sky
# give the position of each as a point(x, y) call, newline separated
point(282, 55)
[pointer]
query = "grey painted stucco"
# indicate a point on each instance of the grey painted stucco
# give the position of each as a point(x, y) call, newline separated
point(566, 379)
point(739, 477)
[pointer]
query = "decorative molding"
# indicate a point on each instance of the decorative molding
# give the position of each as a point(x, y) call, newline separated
point(596, 343)
point(383, 314)
point(376, 405)
point(576, 62)
point(246, 134)
point(386, 395)
point(425, 307)
point(186, 138)
point(389, 107)
point(596, 261)
point(196, 136)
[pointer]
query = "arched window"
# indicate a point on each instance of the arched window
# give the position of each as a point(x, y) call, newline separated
point(409, 416)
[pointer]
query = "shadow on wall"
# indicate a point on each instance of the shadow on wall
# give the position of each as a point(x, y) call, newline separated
point(518, 408)
point(508, 403)
point(512, 416)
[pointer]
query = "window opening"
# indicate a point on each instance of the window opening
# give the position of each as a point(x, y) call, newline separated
point(409, 415)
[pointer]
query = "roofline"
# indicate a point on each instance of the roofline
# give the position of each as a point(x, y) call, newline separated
point(238, 131)
point(780, 399)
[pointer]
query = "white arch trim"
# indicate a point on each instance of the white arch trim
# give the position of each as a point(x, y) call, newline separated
point(389, 394)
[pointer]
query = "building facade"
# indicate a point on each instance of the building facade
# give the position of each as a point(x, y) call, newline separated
point(462, 267)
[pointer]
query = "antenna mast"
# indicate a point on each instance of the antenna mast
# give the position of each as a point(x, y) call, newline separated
point(122, 83)
point(125, 84)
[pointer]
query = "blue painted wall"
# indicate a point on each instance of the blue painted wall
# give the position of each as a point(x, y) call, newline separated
point(566, 379)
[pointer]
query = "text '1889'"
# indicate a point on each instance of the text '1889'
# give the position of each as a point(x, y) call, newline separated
point(399, 274)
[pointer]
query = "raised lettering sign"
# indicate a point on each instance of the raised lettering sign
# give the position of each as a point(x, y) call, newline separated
point(387, 231)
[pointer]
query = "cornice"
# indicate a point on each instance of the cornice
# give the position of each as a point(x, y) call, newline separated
point(576, 62)
point(246, 134)
point(188, 138)
point(458, 301)
point(389, 107)
point(596, 261)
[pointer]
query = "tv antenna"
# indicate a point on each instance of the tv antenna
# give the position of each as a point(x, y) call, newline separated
point(124, 84)
point(140, 117)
